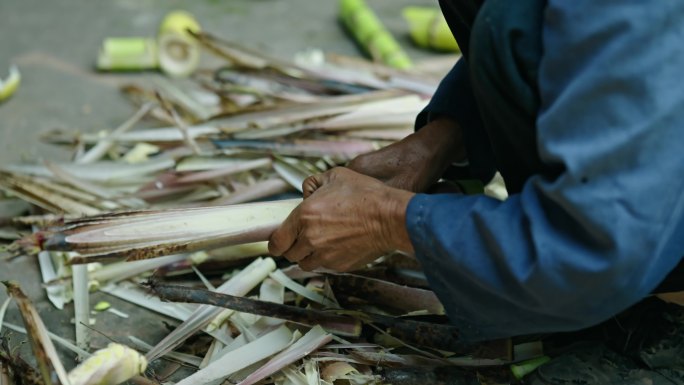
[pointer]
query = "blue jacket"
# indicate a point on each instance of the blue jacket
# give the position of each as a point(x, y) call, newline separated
point(580, 105)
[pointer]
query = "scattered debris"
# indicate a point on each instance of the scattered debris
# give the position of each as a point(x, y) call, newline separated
point(176, 206)
point(102, 306)
point(118, 313)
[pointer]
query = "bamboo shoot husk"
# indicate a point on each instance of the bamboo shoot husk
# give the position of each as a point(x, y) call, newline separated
point(311, 341)
point(139, 235)
point(242, 357)
point(407, 299)
point(239, 285)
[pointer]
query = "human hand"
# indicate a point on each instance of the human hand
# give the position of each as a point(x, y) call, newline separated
point(345, 221)
point(416, 162)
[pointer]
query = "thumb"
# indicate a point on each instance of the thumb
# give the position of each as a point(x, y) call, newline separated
point(284, 237)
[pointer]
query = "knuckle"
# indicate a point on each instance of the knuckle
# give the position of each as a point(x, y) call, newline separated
point(308, 209)
point(335, 173)
point(306, 239)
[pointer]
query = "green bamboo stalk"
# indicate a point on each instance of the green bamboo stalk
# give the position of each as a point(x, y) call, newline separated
point(372, 35)
point(429, 29)
point(524, 368)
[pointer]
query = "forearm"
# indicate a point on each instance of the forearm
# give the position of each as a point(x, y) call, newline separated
point(454, 100)
point(443, 138)
point(419, 160)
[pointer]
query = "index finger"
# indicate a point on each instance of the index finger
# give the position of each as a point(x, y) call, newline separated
point(283, 237)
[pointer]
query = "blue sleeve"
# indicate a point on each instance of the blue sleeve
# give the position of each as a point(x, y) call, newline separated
point(572, 251)
point(454, 98)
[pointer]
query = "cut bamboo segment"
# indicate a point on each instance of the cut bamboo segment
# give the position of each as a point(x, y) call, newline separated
point(429, 29)
point(372, 35)
point(139, 235)
point(127, 54)
point(112, 365)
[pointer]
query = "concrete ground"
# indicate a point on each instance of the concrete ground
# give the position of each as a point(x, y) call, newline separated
point(55, 44)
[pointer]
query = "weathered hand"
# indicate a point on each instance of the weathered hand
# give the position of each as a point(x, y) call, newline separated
point(345, 221)
point(416, 162)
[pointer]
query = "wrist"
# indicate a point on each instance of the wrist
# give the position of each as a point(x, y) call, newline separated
point(444, 137)
point(394, 234)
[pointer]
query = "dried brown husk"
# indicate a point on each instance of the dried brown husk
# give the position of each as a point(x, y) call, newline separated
point(340, 325)
point(49, 366)
point(405, 298)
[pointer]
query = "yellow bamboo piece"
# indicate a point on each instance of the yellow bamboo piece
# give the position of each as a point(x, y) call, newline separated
point(372, 35)
point(178, 50)
point(10, 85)
point(112, 365)
point(179, 21)
point(429, 29)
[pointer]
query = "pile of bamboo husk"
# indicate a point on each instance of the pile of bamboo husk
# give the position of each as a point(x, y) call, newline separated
point(199, 196)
